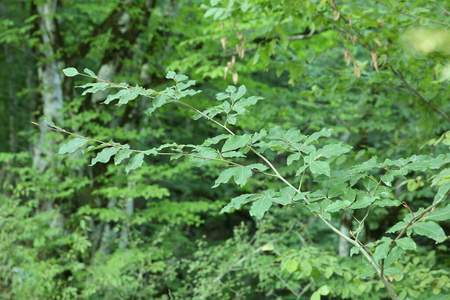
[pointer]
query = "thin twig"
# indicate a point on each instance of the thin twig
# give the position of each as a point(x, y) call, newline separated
point(159, 153)
point(421, 18)
point(441, 7)
point(417, 218)
point(418, 94)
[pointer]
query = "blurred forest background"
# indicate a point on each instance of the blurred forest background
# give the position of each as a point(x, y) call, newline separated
point(376, 72)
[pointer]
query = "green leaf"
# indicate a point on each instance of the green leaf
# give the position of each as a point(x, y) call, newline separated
point(320, 167)
point(95, 87)
point(51, 124)
point(222, 96)
point(293, 157)
point(89, 72)
point(230, 89)
point(301, 170)
point(170, 75)
point(117, 95)
point(316, 135)
point(261, 206)
point(392, 271)
point(382, 249)
point(333, 150)
point(70, 72)
point(324, 290)
point(337, 205)
point(431, 230)
point(365, 166)
point(393, 256)
point(241, 174)
point(72, 145)
point(182, 86)
point(237, 202)
point(407, 243)
point(291, 265)
point(259, 135)
point(354, 250)
point(349, 194)
point(362, 203)
point(397, 227)
point(259, 167)
point(235, 142)
point(215, 140)
point(239, 106)
point(180, 77)
point(121, 155)
point(306, 268)
point(387, 202)
point(442, 191)
point(104, 155)
point(241, 92)
point(160, 101)
point(135, 162)
point(367, 272)
point(232, 154)
point(440, 214)
point(315, 296)
point(126, 97)
point(337, 190)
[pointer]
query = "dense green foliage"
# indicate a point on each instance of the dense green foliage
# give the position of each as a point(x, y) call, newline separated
point(305, 117)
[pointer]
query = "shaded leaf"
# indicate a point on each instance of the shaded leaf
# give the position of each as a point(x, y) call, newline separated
point(337, 190)
point(393, 256)
point(382, 249)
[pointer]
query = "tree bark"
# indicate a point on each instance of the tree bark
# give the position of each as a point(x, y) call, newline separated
point(50, 81)
point(346, 225)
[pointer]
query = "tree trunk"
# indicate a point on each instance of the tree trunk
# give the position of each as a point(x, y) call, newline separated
point(346, 226)
point(50, 81)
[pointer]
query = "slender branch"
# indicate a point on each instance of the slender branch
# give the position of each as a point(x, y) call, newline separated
point(397, 73)
point(441, 7)
point(418, 17)
point(204, 115)
point(159, 153)
point(285, 284)
point(416, 218)
point(418, 94)
point(421, 18)
point(80, 136)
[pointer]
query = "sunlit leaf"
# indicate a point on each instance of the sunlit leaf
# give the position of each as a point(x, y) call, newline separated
point(72, 145)
point(135, 162)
